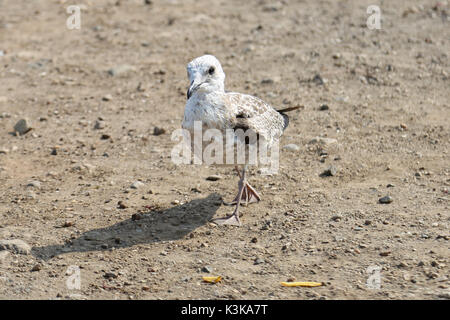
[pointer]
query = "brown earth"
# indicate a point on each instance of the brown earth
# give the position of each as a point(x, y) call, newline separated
point(387, 93)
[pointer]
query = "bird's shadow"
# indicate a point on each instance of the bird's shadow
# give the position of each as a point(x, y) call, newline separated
point(146, 227)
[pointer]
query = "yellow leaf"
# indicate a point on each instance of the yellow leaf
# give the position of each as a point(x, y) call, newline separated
point(212, 279)
point(301, 284)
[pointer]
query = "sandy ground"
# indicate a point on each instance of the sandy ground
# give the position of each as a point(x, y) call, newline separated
point(386, 131)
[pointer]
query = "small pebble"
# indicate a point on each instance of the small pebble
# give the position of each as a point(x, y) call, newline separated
point(107, 97)
point(110, 275)
point(291, 279)
point(330, 171)
point(122, 205)
point(267, 81)
point(207, 269)
point(34, 184)
point(158, 131)
point(37, 267)
point(22, 126)
point(291, 147)
point(99, 125)
point(336, 217)
point(336, 55)
point(386, 199)
point(31, 195)
point(213, 178)
point(136, 216)
point(137, 185)
point(318, 80)
point(121, 70)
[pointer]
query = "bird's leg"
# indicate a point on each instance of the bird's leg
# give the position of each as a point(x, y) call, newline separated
point(249, 194)
point(238, 172)
point(233, 219)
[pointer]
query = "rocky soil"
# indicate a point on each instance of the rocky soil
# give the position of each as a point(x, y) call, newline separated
point(87, 185)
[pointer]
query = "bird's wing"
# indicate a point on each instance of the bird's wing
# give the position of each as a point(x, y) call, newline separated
point(249, 112)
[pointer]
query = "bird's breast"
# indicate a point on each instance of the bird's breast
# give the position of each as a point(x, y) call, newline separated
point(210, 113)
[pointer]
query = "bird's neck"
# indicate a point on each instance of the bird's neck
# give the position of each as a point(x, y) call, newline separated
point(211, 90)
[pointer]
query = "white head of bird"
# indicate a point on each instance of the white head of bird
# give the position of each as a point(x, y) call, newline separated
point(205, 76)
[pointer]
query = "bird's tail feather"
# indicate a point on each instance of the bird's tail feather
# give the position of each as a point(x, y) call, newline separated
point(290, 109)
point(285, 116)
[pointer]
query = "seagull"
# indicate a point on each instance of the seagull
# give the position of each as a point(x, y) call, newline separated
point(209, 103)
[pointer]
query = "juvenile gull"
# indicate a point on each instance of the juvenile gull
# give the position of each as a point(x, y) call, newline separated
point(210, 104)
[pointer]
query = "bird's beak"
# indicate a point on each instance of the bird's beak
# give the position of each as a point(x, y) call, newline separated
point(193, 87)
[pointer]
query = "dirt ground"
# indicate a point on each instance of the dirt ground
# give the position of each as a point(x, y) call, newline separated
point(95, 95)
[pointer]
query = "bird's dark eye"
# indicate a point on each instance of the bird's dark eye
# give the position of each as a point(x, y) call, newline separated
point(211, 70)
